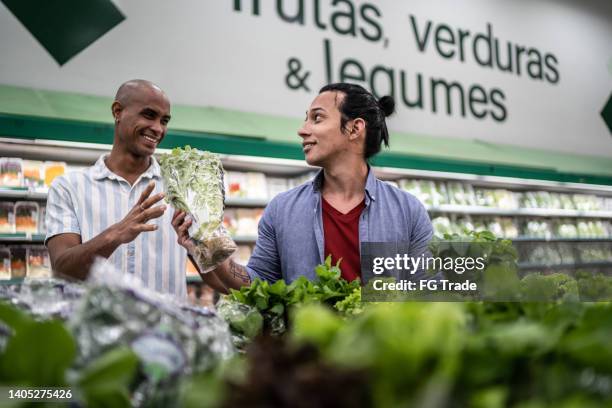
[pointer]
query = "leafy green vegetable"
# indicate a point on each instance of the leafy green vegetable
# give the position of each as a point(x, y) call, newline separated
point(193, 181)
point(194, 184)
point(273, 300)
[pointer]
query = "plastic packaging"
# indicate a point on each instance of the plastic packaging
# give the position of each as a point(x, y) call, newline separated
point(26, 216)
point(38, 263)
point(193, 182)
point(11, 172)
point(33, 174)
point(7, 217)
point(18, 262)
point(52, 170)
point(5, 263)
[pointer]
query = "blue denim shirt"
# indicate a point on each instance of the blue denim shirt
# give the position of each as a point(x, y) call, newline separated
point(290, 241)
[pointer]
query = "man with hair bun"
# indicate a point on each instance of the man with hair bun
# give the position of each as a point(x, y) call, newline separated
point(342, 206)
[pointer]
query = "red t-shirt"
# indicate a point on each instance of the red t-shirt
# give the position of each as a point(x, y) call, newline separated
point(341, 235)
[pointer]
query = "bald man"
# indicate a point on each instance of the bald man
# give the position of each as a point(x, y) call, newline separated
point(113, 208)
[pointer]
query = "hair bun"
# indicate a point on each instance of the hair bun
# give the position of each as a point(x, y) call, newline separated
point(387, 104)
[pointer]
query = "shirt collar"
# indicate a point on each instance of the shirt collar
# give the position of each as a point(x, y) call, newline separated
point(370, 186)
point(101, 171)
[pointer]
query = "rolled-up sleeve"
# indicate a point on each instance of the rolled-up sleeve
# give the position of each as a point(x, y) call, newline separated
point(265, 262)
point(60, 216)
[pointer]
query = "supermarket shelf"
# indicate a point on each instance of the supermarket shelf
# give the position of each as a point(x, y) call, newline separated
point(23, 237)
point(15, 281)
point(522, 212)
point(577, 240)
point(593, 264)
point(22, 193)
point(194, 279)
point(246, 202)
point(245, 239)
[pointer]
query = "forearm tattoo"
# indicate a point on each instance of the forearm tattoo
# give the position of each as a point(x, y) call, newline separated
point(239, 272)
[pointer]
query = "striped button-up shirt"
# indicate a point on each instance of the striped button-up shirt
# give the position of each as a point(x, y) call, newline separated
point(89, 201)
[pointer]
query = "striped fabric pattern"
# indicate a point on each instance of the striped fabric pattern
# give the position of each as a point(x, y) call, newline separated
point(89, 201)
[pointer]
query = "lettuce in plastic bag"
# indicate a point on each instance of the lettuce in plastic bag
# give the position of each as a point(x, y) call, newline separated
point(193, 182)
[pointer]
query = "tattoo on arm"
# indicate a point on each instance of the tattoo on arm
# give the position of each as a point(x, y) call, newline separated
point(239, 272)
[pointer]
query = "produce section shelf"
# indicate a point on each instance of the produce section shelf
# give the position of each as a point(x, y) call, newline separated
point(593, 264)
point(23, 237)
point(585, 239)
point(194, 279)
point(15, 281)
point(246, 202)
point(22, 193)
point(521, 212)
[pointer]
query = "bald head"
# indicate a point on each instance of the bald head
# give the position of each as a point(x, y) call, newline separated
point(142, 112)
point(136, 87)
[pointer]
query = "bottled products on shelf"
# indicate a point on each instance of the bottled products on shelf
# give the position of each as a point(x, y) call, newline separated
point(38, 263)
point(26, 216)
point(18, 262)
point(33, 174)
point(5, 263)
point(7, 217)
point(11, 172)
point(52, 170)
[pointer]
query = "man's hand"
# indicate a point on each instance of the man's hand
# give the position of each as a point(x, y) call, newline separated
point(72, 258)
point(136, 220)
point(181, 224)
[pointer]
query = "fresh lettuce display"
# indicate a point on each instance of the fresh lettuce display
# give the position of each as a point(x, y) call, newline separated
point(193, 182)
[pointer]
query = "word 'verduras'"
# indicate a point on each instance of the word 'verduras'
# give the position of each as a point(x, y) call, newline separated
point(486, 50)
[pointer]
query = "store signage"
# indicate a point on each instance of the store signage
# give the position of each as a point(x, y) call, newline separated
point(503, 72)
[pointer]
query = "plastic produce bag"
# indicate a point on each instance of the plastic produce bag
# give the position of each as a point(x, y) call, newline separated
point(193, 181)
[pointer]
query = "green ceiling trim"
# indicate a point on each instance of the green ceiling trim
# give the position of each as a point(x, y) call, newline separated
point(27, 127)
point(31, 113)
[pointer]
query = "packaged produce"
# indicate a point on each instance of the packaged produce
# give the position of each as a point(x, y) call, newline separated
point(38, 263)
point(33, 174)
point(236, 184)
point(7, 217)
point(52, 170)
point(566, 229)
point(456, 193)
point(247, 220)
point(256, 186)
point(193, 181)
point(485, 197)
point(428, 193)
point(18, 262)
point(509, 227)
point(26, 216)
point(411, 186)
point(529, 200)
point(567, 203)
point(230, 222)
point(440, 193)
point(586, 202)
point(5, 263)
point(441, 226)
point(276, 185)
point(42, 224)
point(11, 172)
point(505, 199)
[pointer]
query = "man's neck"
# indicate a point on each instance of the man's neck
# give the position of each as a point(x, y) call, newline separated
point(345, 180)
point(127, 165)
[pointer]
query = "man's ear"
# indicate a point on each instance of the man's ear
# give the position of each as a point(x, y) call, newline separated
point(116, 109)
point(358, 130)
